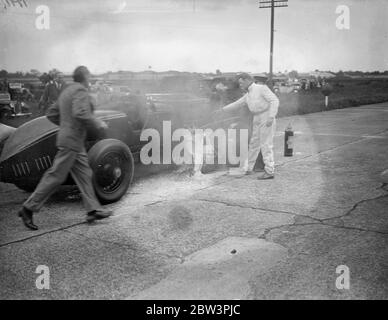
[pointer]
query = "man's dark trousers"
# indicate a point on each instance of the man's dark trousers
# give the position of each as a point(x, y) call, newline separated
point(66, 161)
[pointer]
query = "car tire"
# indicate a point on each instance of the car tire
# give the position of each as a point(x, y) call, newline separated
point(113, 169)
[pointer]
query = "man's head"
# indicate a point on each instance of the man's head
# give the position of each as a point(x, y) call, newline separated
point(50, 76)
point(244, 80)
point(261, 79)
point(81, 74)
point(59, 76)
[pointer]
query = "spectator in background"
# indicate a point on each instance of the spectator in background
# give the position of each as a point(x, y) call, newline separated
point(222, 91)
point(4, 86)
point(218, 96)
point(60, 81)
point(50, 94)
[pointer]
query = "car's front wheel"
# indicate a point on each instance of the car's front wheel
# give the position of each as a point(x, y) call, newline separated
point(113, 168)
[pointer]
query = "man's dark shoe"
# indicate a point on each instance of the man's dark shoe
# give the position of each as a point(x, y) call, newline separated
point(265, 176)
point(98, 215)
point(26, 216)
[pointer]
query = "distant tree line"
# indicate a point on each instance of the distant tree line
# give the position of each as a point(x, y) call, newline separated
point(33, 73)
point(361, 73)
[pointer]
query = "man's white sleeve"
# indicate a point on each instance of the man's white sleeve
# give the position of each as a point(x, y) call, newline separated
point(273, 101)
point(235, 105)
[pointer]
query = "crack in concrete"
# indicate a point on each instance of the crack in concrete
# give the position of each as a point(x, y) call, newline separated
point(267, 231)
point(42, 234)
point(100, 240)
point(155, 202)
point(121, 244)
point(258, 208)
point(318, 221)
point(322, 222)
point(355, 229)
point(355, 206)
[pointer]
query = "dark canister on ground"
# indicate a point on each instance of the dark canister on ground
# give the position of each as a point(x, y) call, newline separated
point(288, 141)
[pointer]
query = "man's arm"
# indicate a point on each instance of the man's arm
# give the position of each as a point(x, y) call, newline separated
point(53, 113)
point(273, 101)
point(235, 105)
point(82, 109)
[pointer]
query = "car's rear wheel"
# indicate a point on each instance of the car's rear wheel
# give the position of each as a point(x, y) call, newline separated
point(113, 168)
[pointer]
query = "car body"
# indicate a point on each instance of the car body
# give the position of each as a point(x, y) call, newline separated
point(31, 149)
point(121, 90)
point(19, 92)
point(285, 87)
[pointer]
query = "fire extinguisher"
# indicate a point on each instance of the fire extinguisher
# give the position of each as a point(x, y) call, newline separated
point(288, 141)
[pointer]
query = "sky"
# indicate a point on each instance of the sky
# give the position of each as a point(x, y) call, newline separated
point(193, 35)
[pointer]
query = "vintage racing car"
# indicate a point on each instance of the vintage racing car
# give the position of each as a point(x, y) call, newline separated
point(29, 151)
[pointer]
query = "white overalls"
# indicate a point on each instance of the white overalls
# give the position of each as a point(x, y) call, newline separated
point(264, 105)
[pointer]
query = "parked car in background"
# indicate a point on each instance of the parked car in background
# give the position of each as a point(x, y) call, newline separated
point(10, 110)
point(188, 109)
point(6, 106)
point(121, 90)
point(19, 92)
point(287, 87)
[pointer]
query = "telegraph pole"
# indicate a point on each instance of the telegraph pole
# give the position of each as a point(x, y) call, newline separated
point(272, 4)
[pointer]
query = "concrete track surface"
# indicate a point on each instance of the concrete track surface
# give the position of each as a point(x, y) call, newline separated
point(221, 236)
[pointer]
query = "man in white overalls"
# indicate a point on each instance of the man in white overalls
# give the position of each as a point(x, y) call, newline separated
point(263, 104)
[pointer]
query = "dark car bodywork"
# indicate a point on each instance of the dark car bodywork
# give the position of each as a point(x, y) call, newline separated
point(31, 149)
